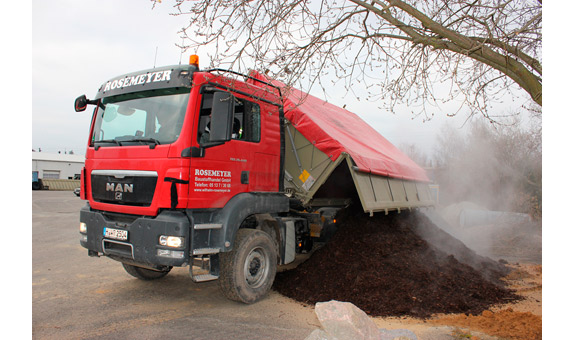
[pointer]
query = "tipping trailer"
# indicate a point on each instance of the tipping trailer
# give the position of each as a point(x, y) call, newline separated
point(228, 174)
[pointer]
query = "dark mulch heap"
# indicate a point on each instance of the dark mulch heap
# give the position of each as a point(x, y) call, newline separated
point(381, 265)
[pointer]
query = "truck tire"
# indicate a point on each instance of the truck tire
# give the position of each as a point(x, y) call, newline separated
point(248, 271)
point(145, 274)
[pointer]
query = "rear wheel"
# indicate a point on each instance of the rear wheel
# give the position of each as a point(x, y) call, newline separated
point(248, 271)
point(145, 274)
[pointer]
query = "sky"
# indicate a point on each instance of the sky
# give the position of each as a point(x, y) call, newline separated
point(78, 45)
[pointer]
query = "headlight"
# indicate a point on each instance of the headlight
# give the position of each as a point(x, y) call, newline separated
point(171, 241)
point(83, 228)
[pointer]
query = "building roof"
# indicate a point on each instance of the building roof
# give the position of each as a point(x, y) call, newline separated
point(57, 157)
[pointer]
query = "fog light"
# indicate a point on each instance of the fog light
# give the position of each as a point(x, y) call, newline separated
point(170, 253)
point(171, 241)
point(83, 228)
point(84, 238)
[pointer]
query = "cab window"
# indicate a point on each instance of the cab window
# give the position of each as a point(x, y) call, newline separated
point(246, 123)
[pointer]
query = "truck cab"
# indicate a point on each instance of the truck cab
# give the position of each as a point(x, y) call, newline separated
point(178, 160)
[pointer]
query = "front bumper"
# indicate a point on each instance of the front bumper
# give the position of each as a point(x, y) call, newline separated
point(142, 245)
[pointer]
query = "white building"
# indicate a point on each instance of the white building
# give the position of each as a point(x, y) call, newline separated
point(57, 166)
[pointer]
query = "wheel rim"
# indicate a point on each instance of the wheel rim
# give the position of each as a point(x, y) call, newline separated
point(256, 267)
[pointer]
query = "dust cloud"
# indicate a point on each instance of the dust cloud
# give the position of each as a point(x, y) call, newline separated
point(488, 182)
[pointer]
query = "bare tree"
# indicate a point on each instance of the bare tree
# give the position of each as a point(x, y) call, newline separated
point(417, 52)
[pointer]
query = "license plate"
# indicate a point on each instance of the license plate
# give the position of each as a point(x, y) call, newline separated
point(116, 234)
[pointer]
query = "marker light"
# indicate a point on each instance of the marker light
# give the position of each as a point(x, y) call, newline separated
point(195, 60)
point(171, 241)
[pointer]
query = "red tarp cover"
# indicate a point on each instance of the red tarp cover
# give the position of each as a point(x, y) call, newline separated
point(334, 130)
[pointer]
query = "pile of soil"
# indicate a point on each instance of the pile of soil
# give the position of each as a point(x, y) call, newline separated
point(382, 265)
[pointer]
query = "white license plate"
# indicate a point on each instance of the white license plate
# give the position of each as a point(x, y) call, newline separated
point(116, 234)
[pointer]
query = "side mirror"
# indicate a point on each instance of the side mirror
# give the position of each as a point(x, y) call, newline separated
point(81, 103)
point(222, 117)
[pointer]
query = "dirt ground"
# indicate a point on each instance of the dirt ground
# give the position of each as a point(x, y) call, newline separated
point(518, 320)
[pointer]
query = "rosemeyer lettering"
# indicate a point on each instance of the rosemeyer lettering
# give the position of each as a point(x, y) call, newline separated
point(138, 80)
point(213, 173)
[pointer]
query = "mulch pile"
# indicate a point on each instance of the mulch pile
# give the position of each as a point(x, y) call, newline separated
point(382, 265)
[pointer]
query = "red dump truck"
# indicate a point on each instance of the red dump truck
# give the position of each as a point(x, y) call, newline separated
point(229, 174)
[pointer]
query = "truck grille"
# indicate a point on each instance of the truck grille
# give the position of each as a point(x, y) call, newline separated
point(124, 186)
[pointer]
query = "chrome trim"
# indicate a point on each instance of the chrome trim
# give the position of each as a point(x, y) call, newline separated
point(125, 173)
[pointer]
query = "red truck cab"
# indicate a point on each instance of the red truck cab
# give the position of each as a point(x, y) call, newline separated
point(177, 161)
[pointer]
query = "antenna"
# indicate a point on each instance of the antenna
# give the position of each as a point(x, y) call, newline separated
point(155, 56)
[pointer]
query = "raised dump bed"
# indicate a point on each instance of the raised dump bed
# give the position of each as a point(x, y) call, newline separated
point(332, 155)
point(316, 180)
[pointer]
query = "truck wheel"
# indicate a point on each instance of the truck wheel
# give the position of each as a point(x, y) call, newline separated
point(145, 274)
point(248, 271)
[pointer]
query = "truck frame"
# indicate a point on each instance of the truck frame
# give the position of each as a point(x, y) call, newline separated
point(196, 168)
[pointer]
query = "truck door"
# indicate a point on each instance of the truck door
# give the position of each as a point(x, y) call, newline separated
point(248, 161)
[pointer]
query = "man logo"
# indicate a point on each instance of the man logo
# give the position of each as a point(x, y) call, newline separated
point(118, 187)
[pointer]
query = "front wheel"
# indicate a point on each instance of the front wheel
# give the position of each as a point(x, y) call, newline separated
point(145, 274)
point(248, 271)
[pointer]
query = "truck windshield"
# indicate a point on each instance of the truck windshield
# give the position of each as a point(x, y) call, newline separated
point(141, 118)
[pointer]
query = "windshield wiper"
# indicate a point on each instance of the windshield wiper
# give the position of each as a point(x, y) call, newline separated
point(115, 141)
point(153, 141)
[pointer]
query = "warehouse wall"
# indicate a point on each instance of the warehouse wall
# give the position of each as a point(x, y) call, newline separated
point(57, 166)
point(51, 169)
